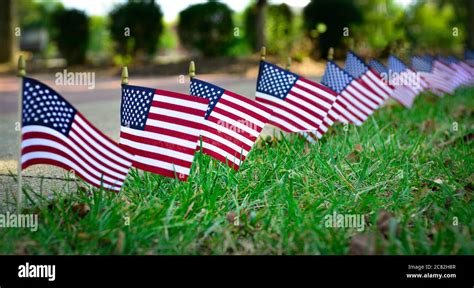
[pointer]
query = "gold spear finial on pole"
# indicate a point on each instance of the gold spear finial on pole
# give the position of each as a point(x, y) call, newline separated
point(331, 54)
point(124, 75)
point(21, 67)
point(288, 63)
point(263, 53)
point(192, 70)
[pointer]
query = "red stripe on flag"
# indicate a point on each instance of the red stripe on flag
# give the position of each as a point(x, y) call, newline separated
point(181, 96)
point(157, 143)
point(178, 108)
point(174, 120)
point(80, 151)
point(72, 158)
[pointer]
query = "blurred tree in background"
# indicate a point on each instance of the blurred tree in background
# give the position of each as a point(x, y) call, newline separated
point(336, 15)
point(35, 14)
point(71, 34)
point(207, 27)
point(464, 10)
point(382, 25)
point(100, 44)
point(376, 27)
point(35, 18)
point(136, 27)
point(250, 22)
point(430, 26)
point(279, 28)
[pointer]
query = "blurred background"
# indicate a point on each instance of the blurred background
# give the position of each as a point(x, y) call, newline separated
point(158, 36)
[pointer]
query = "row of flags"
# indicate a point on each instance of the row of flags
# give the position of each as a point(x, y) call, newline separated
point(161, 131)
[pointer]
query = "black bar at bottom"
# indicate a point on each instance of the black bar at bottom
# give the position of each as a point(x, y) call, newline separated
point(90, 268)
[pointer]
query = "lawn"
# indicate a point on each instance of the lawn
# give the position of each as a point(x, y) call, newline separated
point(408, 172)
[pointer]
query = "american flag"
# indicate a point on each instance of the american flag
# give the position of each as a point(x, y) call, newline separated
point(465, 66)
point(377, 66)
point(161, 128)
point(402, 94)
point(298, 104)
point(469, 57)
point(379, 89)
point(463, 75)
point(444, 70)
point(404, 75)
point(233, 123)
point(55, 133)
point(353, 103)
point(438, 83)
point(441, 68)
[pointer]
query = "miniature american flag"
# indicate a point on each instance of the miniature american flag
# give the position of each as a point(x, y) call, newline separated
point(469, 57)
point(405, 75)
point(465, 66)
point(161, 128)
point(233, 123)
point(379, 90)
point(461, 72)
point(352, 104)
point(55, 133)
point(298, 104)
point(440, 68)
point(401, 93)
point(438, 83)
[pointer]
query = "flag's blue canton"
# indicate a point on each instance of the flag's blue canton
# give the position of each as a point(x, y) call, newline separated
point(469, 54)
point(43, 106)
point(428, 57)
point(443, 59)
point(336, 78)
point(136, 103)
point(355, 66)
point(207, 91)
point(452, 59)
point(275, 81)
point(421, 64)
point(396, 65)
point(378, 66)
point(449, 59)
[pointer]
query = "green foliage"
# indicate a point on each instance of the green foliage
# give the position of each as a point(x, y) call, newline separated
point(100, 41)
point(239, 45)
point(431, 27)
point(382, 24)
point(207, 27)
point(336, 15)
point(71, 34)
point(144, 21)
point(250, 15)
point(169, 39)
point(36, 14)
point(279, 28)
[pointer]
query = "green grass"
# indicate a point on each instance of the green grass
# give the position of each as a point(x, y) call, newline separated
point(411, 163)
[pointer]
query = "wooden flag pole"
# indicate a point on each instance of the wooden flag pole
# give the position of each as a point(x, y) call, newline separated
point(192, 70)
point(20, 73)
point(331, 54)
point(288, 63)
point(263, 53)
point(124, 75)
